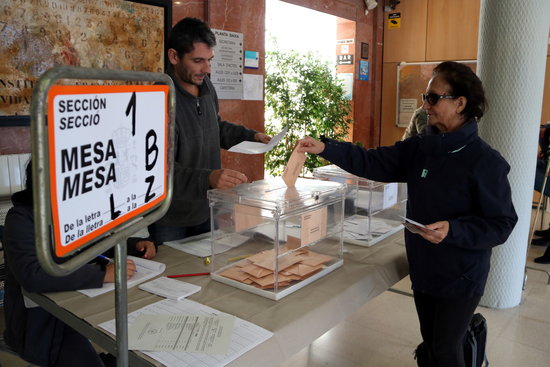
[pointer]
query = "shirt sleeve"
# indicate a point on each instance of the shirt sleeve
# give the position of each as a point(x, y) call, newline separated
point(382, 164)
point(230, 133)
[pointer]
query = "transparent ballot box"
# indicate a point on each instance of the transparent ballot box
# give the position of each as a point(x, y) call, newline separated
point(271, 240)
point(373, 210)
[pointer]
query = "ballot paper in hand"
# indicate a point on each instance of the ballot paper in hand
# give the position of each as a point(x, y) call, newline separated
point(414, 226)
point(294, 167)
point(252, 147)
point(208, 334)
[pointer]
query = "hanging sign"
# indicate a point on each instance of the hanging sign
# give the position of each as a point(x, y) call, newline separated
point(227, 65)
point(108, 160)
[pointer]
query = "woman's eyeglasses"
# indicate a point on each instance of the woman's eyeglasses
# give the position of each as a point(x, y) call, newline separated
point(433, 98)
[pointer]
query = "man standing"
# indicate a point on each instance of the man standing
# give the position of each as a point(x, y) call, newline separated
point(200, 133)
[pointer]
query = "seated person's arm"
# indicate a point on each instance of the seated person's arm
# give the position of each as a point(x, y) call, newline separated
point(21, 258)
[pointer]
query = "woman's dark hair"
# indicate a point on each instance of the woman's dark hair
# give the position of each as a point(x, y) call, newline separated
point(464, 83)
point(188, 31)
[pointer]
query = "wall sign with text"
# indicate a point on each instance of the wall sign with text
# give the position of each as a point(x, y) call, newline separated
point(344, 59)
point(108, 160)
point(227, 65)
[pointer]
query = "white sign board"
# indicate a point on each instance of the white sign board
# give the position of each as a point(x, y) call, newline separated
point(227, 65)
point(108, 160)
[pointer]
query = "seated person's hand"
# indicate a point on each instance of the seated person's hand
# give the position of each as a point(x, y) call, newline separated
point(147, 247)
point(226, 178)
point(110, 271)
point(262, 138)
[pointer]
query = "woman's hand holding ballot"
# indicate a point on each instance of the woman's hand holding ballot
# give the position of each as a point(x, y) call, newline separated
point(310, 145)
point(435, 232)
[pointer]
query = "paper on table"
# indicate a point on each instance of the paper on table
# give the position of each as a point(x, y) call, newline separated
point(208, 334)
point(252, 147)
point(358, 226)
point(170, 288)
point(245, 334)
point(201, 244)
point(145, 270)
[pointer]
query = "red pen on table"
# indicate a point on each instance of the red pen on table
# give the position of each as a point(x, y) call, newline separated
point(186, 275)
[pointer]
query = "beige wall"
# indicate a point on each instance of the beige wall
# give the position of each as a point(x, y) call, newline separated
point(451, 30)
point(431, 30)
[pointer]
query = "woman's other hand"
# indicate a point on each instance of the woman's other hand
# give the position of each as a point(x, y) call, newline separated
point(110, 271)
point(439, 231)
point(310, 145)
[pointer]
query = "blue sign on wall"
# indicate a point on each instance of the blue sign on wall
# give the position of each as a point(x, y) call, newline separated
point(363, 70)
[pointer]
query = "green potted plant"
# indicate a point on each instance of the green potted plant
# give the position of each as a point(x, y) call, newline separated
point(302, 94)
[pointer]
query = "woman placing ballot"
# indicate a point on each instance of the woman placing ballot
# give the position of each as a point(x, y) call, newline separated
point(37, 336)
point(458, 188)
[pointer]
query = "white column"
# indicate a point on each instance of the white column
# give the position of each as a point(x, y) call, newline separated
point(513, 41)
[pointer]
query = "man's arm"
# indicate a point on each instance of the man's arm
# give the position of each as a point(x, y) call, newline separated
point(230, 133)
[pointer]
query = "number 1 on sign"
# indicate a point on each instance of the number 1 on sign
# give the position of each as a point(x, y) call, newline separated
point(132, 107)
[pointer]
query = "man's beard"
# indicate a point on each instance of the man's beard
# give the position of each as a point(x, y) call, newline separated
point(190, 80)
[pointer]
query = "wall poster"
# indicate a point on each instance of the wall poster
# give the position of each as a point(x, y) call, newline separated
point(36, 35)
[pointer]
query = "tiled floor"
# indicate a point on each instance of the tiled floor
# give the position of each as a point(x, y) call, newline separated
point(384, 332)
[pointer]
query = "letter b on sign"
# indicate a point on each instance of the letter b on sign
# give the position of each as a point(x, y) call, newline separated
point(151, 149)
